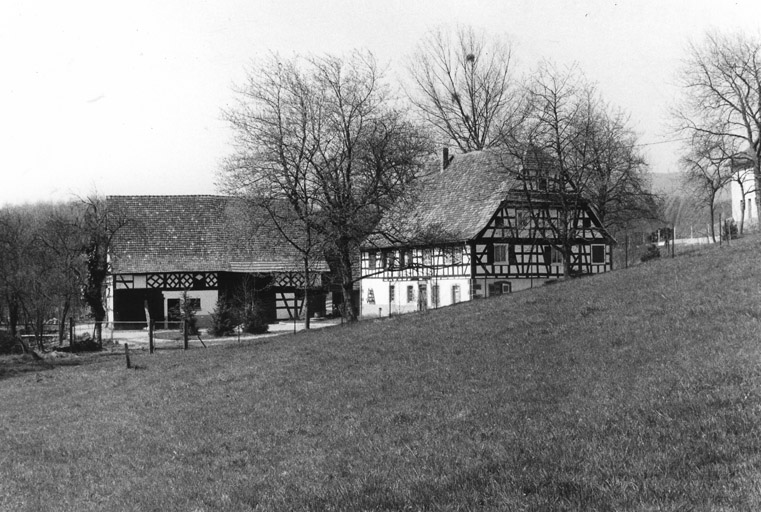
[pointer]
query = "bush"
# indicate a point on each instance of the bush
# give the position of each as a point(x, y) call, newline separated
point(10, 344)
point(186, 312)
point(730, 229)
point(651, 253)
point(224, 318)
point(254, 319)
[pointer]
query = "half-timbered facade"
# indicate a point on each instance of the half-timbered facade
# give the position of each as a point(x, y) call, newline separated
point(206, 247)
point(475, 231)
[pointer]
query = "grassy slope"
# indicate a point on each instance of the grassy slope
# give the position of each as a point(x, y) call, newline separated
point(639, 389)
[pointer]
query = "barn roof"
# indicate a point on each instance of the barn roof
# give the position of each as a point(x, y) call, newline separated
point(198, 233)
point(453, 204)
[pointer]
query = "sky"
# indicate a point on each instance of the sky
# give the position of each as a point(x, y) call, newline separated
point(127, 97)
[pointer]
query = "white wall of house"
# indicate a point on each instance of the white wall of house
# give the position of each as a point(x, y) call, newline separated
point(380, 297)
point(376, 294)
point(751, 211)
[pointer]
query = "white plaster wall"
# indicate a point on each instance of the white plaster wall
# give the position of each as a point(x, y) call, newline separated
point(751, 213)
point(382, 306)
point(208, 300)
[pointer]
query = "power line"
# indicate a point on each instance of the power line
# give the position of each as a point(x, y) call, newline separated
point(662, 142)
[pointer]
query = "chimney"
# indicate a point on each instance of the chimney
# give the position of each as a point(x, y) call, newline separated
point(444, 158)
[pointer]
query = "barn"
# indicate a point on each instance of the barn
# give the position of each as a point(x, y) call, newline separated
point(208, 247)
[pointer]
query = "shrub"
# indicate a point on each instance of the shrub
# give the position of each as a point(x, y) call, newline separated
point(730, 229)
point(186, 312)
point(10, 344)
point(651, 253)
point(254, 319)
point(224, 318)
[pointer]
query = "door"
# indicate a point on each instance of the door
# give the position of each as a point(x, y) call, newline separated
point(422, 297)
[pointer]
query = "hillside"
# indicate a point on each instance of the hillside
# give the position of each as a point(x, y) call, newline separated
point(634, 390)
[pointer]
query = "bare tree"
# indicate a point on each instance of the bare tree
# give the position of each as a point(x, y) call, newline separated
point(321, 135)
point(98, 223)
point(39, 264)
point(619, 181)
point(575, 152)
point(554, 164)
point(61, 238)
point(16, 272)
point(722, 97)
point(708, 169)
point(464, 86)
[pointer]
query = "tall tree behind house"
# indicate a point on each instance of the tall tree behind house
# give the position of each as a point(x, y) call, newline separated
point(323, 135)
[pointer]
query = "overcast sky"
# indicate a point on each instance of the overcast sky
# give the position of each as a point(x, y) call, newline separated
point(126, 98)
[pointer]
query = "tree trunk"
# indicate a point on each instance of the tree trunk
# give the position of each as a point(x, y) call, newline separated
point(62, 322)
point(567, 263)
point(306, 293)
point(757, 175)
point(13, 315)
point(348, 306)
point(713, 229)
point(347, 285)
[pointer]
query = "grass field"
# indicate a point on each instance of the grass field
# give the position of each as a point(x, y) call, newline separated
point(635, 390)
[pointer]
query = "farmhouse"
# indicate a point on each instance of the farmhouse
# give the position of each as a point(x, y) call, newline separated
point(479, 226)
point(209, 247)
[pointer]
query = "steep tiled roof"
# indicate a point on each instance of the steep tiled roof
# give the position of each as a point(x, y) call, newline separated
point(453, 204)
point(197, 233)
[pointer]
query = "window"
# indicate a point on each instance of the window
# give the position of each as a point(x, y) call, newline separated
point(373, 260)
point(587, 222)
point(391, 293)
point(455, 293)
point(552, 256)
point(427, 257)
point(457, 256)
point(391, 260)
point(174, 307)
point(504, 254)
point(410, 294)
point(598, 254)
point(499, 222)
point(435, 295)
point(500, 288)
point(500, 253)
point(521, 219)
point(447, 256)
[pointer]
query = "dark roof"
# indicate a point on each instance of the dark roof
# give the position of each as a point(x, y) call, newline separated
point(454, 204)
point(198, 233)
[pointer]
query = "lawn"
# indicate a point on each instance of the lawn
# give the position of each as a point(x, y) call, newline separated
point(634, 390)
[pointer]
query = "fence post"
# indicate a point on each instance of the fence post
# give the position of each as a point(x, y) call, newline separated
point(185, 327)
point(71, 334)
point(126, 354)
point(151, 327)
